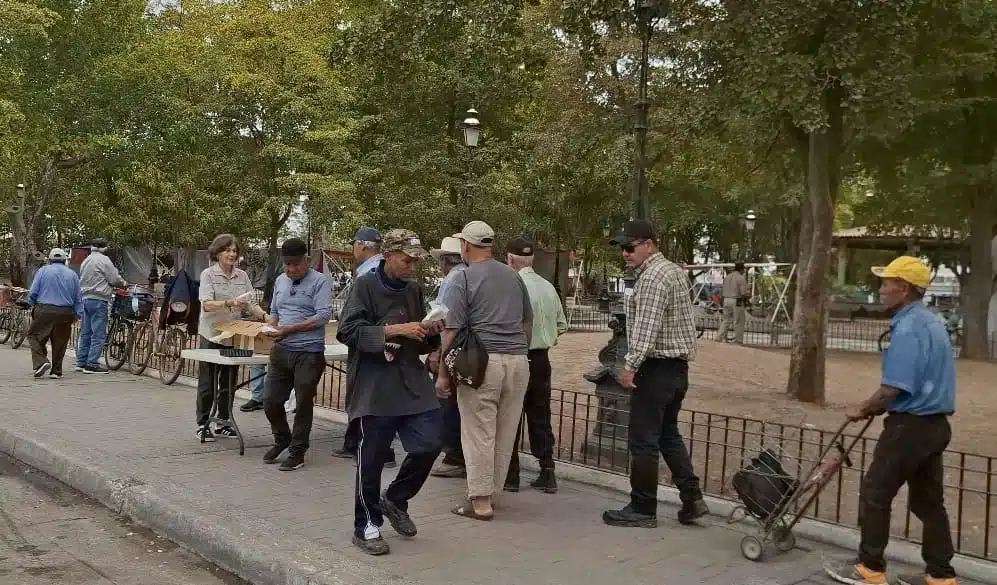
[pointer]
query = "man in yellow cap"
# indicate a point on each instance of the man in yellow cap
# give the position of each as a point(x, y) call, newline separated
point(918, 392)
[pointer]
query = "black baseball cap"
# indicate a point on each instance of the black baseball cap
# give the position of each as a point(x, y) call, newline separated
point(520, 246)
point(367, 234)
point(633, 230)
point(293, 248)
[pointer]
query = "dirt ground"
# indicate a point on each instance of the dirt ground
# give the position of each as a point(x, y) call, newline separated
point(750, 382)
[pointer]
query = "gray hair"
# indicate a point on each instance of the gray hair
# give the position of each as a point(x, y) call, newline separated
point(520, 261)
point(451, 260)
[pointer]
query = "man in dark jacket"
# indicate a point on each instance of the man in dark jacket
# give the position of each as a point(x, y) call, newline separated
point(390, 388)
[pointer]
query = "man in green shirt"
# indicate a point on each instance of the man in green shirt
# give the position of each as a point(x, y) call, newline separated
point(548, 323)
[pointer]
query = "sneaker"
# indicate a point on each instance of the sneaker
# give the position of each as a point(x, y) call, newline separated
point(95, 369)
point(854, 573)
point(225, 432)
point(55, 376)
point(375, 546)
point(923, 579)
point(251, 406)
point(691, 511)
point(204, 435)
point(399, 519)
point(43, 369)
point(546, 481)
point(344, 453)
point(511, 485)
point(80, 369)
point(445, 469)
point(629, 518)
point(292, 462)
point(270, 457)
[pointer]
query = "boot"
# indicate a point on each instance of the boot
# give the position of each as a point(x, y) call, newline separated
point(546, 481)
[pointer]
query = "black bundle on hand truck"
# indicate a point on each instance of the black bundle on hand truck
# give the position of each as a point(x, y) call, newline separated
point(776, 499)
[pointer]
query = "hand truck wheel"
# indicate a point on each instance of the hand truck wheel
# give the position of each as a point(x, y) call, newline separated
point(752, 549)
point(783, 538)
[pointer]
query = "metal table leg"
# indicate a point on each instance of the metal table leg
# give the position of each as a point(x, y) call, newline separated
point(230, 381)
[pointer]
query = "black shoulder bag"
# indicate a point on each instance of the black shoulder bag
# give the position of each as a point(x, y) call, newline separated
point(466, 358)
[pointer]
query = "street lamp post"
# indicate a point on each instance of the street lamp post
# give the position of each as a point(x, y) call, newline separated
point(472, 132)
point(748, 221)
point(647, 12)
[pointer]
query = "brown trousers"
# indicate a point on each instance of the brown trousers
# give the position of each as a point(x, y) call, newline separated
point(50, 322)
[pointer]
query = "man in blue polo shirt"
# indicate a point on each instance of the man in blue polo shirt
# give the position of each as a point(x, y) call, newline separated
point(917, 391)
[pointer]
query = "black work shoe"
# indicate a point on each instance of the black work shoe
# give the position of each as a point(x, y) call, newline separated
point(251, 406)
point(399, 519)
point(373, 546)
point(692, 510)
point(292, 462)
point(270, 457)
point(95, 369)
point(629, 518)
point(511, 485)
point(344, 453)
point(546, 481)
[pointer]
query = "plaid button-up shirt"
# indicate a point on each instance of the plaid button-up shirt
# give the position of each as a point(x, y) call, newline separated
point(660, 322)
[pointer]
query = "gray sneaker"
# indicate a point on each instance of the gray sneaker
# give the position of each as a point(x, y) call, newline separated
point(43, 369)
point(448, 470)
point(373, 546)
point(399, 519)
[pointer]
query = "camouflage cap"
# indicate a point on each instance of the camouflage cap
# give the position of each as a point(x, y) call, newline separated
point(403, 241)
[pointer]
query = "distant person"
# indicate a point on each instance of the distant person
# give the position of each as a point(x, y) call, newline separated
point(300, 309)
point(491, 299)
point(98, 279)
point(736, 296)
point(917, 391)
point(56, 302)
point(549, 323)
point(391, 391)
point(661, 334)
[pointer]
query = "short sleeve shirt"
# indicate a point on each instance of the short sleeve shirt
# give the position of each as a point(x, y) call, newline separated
point(218, 286)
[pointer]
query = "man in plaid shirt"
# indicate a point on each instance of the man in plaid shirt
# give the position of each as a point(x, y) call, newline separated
point(661, 335)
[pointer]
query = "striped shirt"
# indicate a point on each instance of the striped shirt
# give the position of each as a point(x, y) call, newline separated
point(660, 322)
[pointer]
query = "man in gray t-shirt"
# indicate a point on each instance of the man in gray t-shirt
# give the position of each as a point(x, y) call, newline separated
point(490, 299)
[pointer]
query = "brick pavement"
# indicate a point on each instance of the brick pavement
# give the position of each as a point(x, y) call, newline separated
point(143, 432)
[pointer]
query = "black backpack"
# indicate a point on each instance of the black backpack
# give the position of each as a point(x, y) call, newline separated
point(763, 484)
point(466, 358)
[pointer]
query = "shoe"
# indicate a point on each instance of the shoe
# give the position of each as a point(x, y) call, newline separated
point(344, 453)
point(272, 454)
point(373, 546)
point(205, 433)
point(923, 579)
point(399, 519)
point(95, 369)
point(225, 432)
point(55, 376)
point(629, 518)
point(691, 511)
point(43, 369)
point(251, 406)
point(445, 469)
point(511, 485)
point(546, 481)
point(80, 369)
point(854, 573)
point(292, 462)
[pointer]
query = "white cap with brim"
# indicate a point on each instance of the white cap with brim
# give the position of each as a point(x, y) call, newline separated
point(449, 245)
point(57, 254)
point(477, 233)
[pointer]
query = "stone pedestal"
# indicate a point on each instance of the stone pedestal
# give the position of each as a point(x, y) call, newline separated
point(607, 445)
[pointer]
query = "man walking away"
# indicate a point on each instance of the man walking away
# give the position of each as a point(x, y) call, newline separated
point(448, 255)
point(661, 333)
point(367, 255)
point(489, 298)
point(549, 323)
point(917, 391)
point(737, 295)
point(56, 300)
point(392, 392)
point(98, 277)
point(301, 306)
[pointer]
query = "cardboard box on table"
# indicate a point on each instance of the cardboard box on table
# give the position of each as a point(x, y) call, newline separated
point(244, 335)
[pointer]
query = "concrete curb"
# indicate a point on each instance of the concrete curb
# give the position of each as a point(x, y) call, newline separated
point(257, 553)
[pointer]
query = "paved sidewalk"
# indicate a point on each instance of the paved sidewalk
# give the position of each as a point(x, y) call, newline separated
point(128, 441)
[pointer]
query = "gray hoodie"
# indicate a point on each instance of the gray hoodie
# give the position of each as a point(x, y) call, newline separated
point(98, 277)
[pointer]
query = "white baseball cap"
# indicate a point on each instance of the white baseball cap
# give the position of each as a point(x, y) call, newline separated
point(57, 254)
point(477, 233)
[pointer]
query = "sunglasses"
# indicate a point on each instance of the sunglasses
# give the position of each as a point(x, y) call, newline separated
point(629, 248)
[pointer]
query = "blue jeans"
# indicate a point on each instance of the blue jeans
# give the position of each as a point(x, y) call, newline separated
point(93, 332)
point(257, 374)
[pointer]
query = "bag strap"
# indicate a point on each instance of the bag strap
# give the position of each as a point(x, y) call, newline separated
point(467, 300)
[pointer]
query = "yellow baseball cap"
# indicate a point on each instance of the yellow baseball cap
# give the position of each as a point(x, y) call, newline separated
point(906, 268)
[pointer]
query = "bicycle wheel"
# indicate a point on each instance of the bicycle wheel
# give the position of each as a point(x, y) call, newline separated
point(170, 364)
point(118, 340)
point(5, 326)
point(19, 329)
point(142, 346)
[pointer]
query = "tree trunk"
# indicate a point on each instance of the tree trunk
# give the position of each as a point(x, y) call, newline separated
point(806, 366)
point(975, 340)
point(272, 258)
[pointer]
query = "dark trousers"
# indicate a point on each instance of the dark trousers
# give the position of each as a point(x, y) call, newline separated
point(50, 322)
point(908, 451)
point(536, 411)
point(208, 376)
point(420, 436)
point(292, 370)
point(453, 451)
point(654, 412)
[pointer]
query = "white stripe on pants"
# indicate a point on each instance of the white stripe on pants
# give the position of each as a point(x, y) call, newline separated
point(489, 419)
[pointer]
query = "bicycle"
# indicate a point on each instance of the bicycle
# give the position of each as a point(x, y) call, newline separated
point(131, 307)
point(165, 344)
point(9, 295)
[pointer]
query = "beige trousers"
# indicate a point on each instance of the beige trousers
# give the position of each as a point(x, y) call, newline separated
point(489, 419)
point(733, 315)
